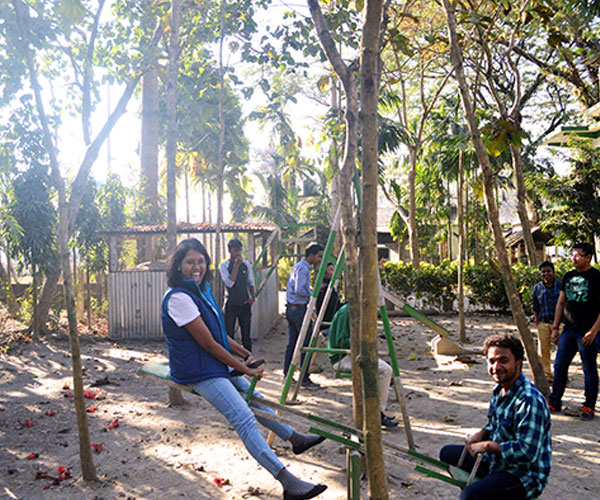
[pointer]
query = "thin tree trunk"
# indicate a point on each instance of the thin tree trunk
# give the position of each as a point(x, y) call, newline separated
point(369, 84)
point(346, 176)
point(175, 396)
point(492, 207)
point(88, 305)
point(88, 469)
point(413, 234)
point(47, 295)
point(461, 246)
point(34, 303)
point(522, 206)
point(149, 156)
point(11, 301)
point(220, 158)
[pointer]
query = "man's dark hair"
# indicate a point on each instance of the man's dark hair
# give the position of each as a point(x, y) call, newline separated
point(586, 248)
point(312, 249)
point(174, 277)
point(234, 243)
point(505, 340)
point(546, 263)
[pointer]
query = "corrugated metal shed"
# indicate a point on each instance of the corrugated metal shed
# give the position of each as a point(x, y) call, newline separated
point(135, 296)
point(134, 299)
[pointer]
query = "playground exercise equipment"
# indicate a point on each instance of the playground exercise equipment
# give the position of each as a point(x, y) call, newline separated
point(351, 438)
point(314, 335)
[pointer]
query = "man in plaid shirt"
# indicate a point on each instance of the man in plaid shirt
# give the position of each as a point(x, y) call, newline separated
point(545, 296)
point(515, 443)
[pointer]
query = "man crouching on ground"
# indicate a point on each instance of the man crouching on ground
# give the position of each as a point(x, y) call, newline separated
point(515, 443)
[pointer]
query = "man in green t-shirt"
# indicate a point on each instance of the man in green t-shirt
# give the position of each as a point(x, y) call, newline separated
point(339, 338)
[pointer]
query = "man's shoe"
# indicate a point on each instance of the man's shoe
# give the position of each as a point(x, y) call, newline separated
point(388, 421)
point(309, 384)
point(586, 413)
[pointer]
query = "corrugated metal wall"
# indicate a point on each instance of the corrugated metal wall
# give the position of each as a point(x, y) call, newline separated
point(134, 299)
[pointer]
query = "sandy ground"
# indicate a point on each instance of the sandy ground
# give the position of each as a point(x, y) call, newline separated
point(158, 451)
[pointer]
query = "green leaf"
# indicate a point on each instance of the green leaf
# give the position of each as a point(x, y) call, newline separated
point(72, 11)
point(496, 144)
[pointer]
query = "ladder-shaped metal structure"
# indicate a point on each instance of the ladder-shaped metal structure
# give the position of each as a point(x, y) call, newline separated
point(339, 262)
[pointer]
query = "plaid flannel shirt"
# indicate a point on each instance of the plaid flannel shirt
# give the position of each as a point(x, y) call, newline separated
point(520, 423)
point(544, 300)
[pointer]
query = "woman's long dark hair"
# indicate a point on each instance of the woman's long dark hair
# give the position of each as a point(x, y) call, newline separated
point(174, 277)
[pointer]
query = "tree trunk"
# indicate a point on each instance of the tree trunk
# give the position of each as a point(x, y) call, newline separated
point(219, 289)
point(492, 207)
point(149, 156)
point(522, 207)
point(47, 295)
point(413, 234)
point(11, 302)
point(34, 303)
point(346, 177)
point(461, 246)
point(65, 218)
point(369, 95)
point(175, 396)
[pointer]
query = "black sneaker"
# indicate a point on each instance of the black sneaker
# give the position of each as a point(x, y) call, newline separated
point(309, 384)
point(387, 421)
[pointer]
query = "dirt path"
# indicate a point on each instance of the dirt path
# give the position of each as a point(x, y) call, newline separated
point(156, 450)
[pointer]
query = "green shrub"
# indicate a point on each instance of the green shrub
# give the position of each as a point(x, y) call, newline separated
point(484, 285)
point(436, 285)
point(284, 267)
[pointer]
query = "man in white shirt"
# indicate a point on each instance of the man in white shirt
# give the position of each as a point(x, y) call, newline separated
point(239, 281)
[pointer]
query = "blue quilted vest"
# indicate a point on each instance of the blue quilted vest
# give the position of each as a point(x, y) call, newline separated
point(188, 362)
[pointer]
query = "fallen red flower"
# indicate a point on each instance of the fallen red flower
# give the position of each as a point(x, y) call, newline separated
point(219, 481)
point(28, 423)
point(69, 395)
point(91, 409)
point(31, 456)
point(50, 413)
point(64, 473)
point(113, 424)
point(89, 395)
point(66, 387)
point(97, 447)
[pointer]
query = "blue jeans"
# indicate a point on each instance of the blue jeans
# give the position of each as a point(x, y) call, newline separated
point(569, 343)
point(295, 316)
point(223, 394)
point(497, 485)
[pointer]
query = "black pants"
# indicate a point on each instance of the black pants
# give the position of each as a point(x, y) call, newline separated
point(243, 314)
point(492, 486)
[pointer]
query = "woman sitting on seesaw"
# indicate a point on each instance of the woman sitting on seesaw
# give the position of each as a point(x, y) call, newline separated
point(201, 355)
